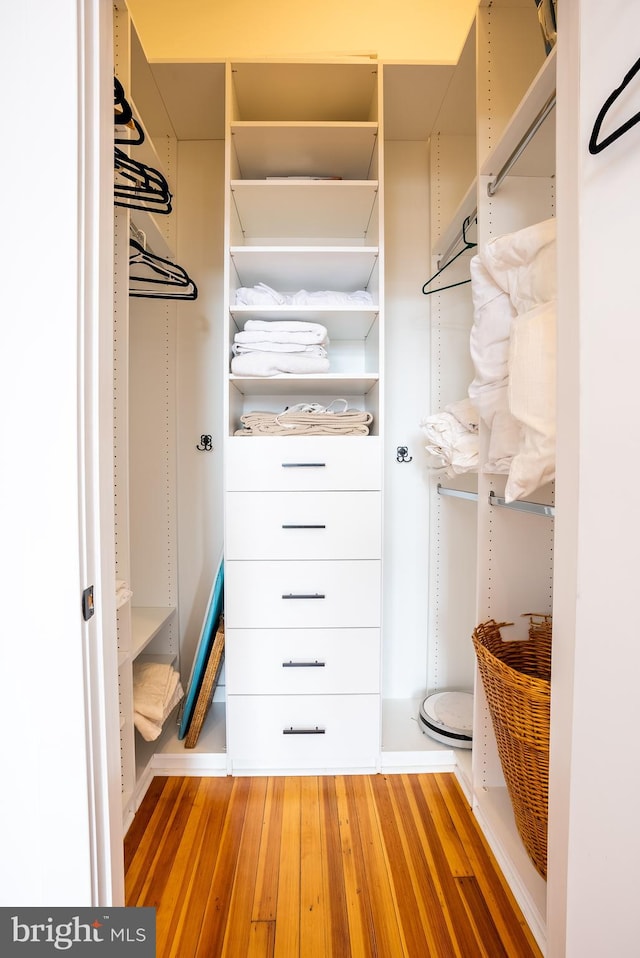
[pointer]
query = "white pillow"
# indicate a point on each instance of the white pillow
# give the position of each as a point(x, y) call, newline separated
point(523, 264)
point(532, 399)
point(489, 339)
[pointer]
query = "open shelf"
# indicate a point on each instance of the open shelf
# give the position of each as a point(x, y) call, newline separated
point(290, 268)
point(304, 149)
point(328, 384)
point(146, 622)
point(310, 208)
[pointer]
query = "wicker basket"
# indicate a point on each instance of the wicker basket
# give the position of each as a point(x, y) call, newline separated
point(516, 679)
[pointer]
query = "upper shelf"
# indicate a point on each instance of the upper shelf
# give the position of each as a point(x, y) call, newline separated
point(305, 90)
point(539, 157)
point(307, 148)
point(317, 208)
point(291, 268)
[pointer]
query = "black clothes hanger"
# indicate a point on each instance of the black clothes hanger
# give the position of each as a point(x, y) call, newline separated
point(467, 246)
point(123, 116)
point(160, 278)
point(594, 146)
point(138, 186)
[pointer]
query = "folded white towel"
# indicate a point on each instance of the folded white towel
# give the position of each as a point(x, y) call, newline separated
point(271, 347)
point(154, 685)
point(465, 412)
point(315, 332)
point(302, 337)
point(149, 729)
point(259, 363)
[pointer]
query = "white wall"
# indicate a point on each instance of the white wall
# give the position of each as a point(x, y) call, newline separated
point(201, 330)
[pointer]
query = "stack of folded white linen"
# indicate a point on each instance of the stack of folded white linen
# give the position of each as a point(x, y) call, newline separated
point(452, 438)
point(308, 419)
point(156, 692)
point(281, 346)
point(263, 295)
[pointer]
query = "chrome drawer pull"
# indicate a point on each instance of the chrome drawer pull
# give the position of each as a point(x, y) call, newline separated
point(303, 665)
point(294, 525)
point(303, 731)
point(303, 465)
point(304, 595)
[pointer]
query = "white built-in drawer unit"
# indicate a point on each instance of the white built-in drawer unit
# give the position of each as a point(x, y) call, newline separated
point(291, 594)
point(303, 514)
point(303, 661)
point(303, 731)
point(303, 525)
point(303, 463)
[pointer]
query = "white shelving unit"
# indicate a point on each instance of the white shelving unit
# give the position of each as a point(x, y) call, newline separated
point(144, 431)
point(291, 125)
point(504, 556)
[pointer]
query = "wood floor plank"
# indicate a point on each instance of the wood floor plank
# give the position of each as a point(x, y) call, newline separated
point(287, 941)
point(364, 866)
point(313, 907)
point(261, 939)
point(238, 925)
point(266, 890)
point(516, 935)
point(360, 927)
point(337, 941)
point(375, 884)
point(443, 825)
point(188, 901)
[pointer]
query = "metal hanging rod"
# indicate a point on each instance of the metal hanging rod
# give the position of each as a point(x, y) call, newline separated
point(460, 235)
point(494, 185)
point(520, 505)
point(457, 493)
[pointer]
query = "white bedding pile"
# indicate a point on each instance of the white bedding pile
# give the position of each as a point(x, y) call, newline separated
point(266, 348)
point(156, 692)
point(513, 282)
point(263, 295)
point(452, 439)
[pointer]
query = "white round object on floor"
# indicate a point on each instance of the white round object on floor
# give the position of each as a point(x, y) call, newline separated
point(447, 717)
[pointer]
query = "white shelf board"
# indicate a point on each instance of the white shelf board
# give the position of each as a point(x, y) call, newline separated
point(146, 622)
point(311, 208)
point(304, 149)
point(328, 384)
point(494, 811)
point(539, 157)
point(291, 268)
point(347, 322)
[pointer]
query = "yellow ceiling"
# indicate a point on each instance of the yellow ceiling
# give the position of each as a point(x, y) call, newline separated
point(416, 31)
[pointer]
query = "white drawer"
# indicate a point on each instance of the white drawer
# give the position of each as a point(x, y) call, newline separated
point(303, 731)
point(303, 462)
point(302, 661)
point(263, 595)
point(303, 525)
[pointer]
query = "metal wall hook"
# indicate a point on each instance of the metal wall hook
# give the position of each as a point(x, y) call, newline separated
point(205, 444)
point(402, 454)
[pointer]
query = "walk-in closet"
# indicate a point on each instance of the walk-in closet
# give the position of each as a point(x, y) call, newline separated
point(272, 391)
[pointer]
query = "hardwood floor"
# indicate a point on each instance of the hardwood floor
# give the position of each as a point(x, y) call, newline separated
point(319, 867)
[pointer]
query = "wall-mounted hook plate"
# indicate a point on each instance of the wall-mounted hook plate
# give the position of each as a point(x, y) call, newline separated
point(402, 454)
point(205, 444)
